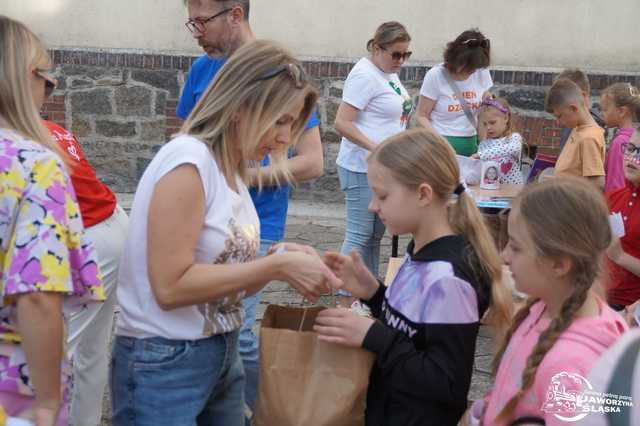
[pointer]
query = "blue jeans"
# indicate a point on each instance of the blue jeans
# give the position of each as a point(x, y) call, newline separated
point(249, 347)
point(364, 229)
point(162, 382)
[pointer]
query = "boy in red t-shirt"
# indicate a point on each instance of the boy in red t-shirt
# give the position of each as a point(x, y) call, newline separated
point(624, 253)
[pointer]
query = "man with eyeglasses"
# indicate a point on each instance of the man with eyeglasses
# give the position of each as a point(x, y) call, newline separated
point(220, 28)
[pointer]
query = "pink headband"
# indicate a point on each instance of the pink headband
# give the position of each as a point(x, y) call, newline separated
point(495, 104)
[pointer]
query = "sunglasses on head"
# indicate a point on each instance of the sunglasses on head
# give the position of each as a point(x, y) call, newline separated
point(50, 83)
point(474, 43)
point(294, 71)
point(397, 56)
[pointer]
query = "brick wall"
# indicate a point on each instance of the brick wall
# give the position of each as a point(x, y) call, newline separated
point(122, 108)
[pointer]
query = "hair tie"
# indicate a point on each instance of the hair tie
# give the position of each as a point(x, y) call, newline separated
point(459, 189)
point(495, 104)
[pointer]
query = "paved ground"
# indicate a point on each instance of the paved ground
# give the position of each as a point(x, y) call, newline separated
point(322, 226)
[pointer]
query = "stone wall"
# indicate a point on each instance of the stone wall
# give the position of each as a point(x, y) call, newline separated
point(121, 106)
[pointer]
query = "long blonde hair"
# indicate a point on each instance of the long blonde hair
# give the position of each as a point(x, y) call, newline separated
point(566, 218)
point(417, 156)
point(244, 102)
point(20, 52)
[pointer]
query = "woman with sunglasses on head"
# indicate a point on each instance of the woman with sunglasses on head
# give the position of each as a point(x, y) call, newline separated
point(45, 259)
point(193, 239)
point(105, 224)
point(375, 106)
point(463, 74)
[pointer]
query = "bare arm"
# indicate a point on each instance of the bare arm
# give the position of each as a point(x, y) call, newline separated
point(307, 164)
point(176, 217)
point(41, 329)
point(345, 118)
point(623, 259)
point(423, 112)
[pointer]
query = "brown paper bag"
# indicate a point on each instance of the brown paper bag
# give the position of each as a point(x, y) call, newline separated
point(306, 382)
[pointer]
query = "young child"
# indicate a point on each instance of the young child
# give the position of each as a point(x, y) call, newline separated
point(583, 154)
point(624, 253)
point(428, 319)
point(620, 104)
point(502, 144)
point(582, 81)
point(554, 257)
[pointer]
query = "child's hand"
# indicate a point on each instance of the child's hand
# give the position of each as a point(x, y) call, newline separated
point(629, 316)
point(342, 326)
point(353, 273)
point(475, 156)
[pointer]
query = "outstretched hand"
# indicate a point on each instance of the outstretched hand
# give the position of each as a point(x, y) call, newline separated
point(306, 272)
point(354, 275)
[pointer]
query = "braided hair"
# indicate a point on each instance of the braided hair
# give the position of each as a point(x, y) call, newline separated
point(576, 228)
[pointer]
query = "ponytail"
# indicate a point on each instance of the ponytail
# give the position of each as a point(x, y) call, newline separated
point(466, 220)
point(417, 156)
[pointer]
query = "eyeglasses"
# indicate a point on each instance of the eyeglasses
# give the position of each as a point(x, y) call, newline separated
point(198, 24)
point(631, 150)
point(50, 83)
point(294, 71)
point(397, 56)
point(474, 43)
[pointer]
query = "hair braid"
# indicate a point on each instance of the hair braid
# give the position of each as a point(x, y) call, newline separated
point(583, 281)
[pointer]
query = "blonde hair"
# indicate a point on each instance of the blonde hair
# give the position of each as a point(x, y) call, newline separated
point(625, 95)
point(22, 51)
point(562, 93)
point(576, 228)
point(484, 107)
point(387, 34)
point(243, 103)
point(421, 156)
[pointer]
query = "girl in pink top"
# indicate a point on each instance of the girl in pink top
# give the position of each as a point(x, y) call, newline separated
point(620, 105)
point(556, 338)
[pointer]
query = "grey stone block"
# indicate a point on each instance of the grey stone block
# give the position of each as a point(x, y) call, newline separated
point(81, 83)
point(153, 131)
point(161, 79)
point(331, 109)
point(80, 126)
point(112, 128)
point(133, 100)
point(524, 98)
point(141, 166)
point(161, 102)
point(94, 101)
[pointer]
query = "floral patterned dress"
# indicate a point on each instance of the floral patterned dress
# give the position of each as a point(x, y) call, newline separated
point(42, 248)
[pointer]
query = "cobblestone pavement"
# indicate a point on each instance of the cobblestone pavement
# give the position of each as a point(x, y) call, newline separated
point(322, 226)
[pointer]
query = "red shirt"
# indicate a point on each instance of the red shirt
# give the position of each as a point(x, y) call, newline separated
point(97, 202)
point(624, 287)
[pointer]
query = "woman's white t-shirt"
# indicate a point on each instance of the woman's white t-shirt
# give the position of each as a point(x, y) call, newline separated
point(230, 234)
point(383, 112)
point(448, 117)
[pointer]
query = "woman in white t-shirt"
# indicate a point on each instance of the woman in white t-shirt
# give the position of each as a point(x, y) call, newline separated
point(464, 71)
point(190, 256)
point(375, 105)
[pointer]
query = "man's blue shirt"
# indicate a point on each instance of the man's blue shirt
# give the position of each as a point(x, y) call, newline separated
point(271, 203)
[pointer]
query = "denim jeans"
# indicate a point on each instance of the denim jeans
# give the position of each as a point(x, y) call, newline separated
point(249, 347)
point(162, 382)
point(364, 229)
